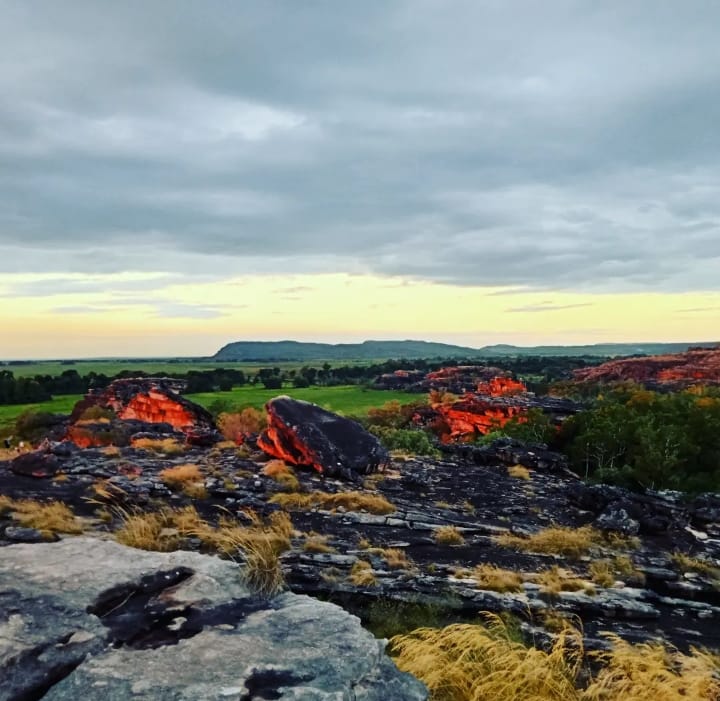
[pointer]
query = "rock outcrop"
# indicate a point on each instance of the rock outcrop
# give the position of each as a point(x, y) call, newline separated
point(91, 619)
point(304, 434)
point(696, 366)
point(142, 405)
point(457, 379)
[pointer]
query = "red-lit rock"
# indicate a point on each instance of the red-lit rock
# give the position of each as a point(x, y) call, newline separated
point(304, 434)
point(696, 366)
point(138, 405)
point(501, 386)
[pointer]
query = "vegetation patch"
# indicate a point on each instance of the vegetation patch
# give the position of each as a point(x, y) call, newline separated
point(448, 535)
point(48, 518)
point(556, 540)
point(497, 579)
point(465, 662)
point(350, 501)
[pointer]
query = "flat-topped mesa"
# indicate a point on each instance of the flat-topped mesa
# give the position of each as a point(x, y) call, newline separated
point(695, 366)
point(301, 433)
point(143, 401)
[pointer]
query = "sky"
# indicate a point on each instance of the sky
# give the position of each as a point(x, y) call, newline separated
point(177, 175)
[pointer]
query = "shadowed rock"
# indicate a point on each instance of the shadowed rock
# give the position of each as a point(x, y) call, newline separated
point(302, 433)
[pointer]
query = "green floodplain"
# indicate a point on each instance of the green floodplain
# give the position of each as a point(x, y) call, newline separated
point(350, 400)
point(157, 367)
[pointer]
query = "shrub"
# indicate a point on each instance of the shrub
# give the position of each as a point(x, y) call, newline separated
point(413, 441)
point(97, 414)
point(236, 425)
point(35, 425)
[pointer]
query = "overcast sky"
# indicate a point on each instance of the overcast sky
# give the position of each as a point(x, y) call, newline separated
point(552, 147)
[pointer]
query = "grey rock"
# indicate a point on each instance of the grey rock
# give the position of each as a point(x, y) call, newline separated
point(18, 534)
point(92, 619)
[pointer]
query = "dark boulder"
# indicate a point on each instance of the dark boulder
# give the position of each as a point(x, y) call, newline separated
point(40, 463)
point(302, 433)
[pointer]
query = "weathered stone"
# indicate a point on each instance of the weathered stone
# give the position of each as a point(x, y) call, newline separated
point(302, 433)
point(174, 626)
point(39, 463)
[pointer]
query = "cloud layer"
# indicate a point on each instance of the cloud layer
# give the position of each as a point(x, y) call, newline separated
point(562, 145)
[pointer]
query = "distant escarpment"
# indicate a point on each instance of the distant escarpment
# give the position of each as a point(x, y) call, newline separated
point(695, 366)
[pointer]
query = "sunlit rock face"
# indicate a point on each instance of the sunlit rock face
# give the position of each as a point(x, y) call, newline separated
point(501, 386)
point(697, 366)
point(301, 433)
point(136, 405)
point(477, 414)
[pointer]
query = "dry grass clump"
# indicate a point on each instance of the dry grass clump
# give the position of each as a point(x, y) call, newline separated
point(482, 662)
point(111, 451)
point(465, 662)
point(315, 543)
point(497, 579)
point(50, 518)
point(651, 671)
point(180, 474)
point(686, 563)
point(448, 535)
point(165, 446)
point(602, 573)
point(519, 472)
point(361, 574)
point(556, 580)
point(555, 540)
point(260, 543)
point(396, 559)
point(282, 474)
point(186, 477)
point(350, 501)
point(620, 541)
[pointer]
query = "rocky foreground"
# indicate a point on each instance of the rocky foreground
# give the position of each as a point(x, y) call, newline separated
point(412, 537)
point(87, 618)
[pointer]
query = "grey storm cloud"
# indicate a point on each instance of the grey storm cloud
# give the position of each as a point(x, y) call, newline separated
point(561, 145)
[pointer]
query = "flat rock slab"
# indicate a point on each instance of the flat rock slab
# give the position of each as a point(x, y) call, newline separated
point(92, 619)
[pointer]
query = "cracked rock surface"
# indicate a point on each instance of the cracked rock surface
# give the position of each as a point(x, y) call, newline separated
point(86, 618)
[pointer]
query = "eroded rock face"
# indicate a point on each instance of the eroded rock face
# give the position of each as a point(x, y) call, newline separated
point(92, 619)
point(138, 404)
point(482, 413)
point(698, 366)
point(302, 433)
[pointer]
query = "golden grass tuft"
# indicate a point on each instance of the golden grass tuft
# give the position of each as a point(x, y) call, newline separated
point(448, 535)
point(48, 518)
point(316, 543)
point(652, 671)
point(260, 543)
point(350, 501)
point(465, 662)
point(164, 446)
point(361, 574)
point(555, 580)
point(602, 573)
point(180, 474)
point(686, 563)
point(396, 559)
point(555, 540)
point(519, 472)
point(497, 579)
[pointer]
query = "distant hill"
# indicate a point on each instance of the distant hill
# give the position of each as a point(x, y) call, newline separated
point(267, 351)
point(277, 351)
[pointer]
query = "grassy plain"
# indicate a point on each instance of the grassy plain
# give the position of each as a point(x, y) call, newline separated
point(345, 399)
point(156, 367)
point(59, 405)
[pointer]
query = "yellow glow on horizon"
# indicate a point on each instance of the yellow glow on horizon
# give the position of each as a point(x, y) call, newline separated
point(332, 307)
